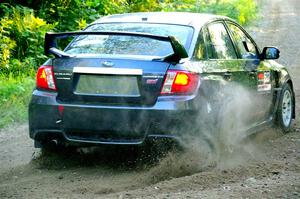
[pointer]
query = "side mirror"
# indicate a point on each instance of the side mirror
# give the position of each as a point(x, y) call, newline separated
point(270, 53)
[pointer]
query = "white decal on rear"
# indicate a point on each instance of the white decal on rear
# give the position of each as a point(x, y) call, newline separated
point(108, 71)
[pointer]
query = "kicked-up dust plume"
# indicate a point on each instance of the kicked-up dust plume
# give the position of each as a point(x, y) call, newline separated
point(222, 139)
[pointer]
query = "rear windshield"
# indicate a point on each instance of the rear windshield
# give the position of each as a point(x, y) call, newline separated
point(130, 45)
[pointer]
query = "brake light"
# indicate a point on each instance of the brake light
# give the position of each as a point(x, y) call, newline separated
point(180, 83)
point(45, 78)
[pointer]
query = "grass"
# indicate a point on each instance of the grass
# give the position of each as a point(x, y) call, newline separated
point(15, 94)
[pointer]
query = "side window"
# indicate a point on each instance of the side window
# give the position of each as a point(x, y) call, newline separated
point(200, 50)
point(219, 43)
point(245, 46)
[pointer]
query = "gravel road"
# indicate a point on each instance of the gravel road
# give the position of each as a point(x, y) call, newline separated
point(267, 167)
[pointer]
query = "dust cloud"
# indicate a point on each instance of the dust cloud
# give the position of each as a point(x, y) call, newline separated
point(221, 141)
point(218, 140)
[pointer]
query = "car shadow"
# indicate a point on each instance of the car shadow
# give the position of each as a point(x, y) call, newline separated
point(115, 157)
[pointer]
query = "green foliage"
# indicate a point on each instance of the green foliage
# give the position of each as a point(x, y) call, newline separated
point(73, 14)
point(15, 92)
point(143, 6)
point(244, 11)
point(21, 41)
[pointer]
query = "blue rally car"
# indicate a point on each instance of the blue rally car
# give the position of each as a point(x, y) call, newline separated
point(128, 78)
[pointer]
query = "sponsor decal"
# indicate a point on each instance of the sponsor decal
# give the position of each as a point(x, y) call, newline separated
point(63, 76)
point(264, 87)
point(153, 76)
point(151, 81)
point(264, 81)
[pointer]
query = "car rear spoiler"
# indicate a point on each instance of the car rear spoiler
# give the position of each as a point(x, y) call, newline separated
point(51, 45)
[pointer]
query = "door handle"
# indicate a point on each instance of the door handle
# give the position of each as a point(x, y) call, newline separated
point(252, 73)
point(227, 75)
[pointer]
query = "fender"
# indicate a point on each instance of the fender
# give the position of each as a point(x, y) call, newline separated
point(283, 78)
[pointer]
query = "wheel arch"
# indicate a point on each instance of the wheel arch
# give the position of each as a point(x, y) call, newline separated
point(282, 78)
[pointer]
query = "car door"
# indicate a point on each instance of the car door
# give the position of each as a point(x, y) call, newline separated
point(223, 73)
point(259, 74)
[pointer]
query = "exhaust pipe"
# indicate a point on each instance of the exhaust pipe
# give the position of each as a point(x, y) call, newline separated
point(53, 142)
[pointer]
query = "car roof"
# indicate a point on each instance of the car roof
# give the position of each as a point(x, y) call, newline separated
point(180, 18)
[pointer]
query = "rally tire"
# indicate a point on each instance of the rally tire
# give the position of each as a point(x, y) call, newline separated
point(285, 109)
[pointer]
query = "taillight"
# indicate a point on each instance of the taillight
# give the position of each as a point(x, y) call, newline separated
point(180, 83)
point(45, 78)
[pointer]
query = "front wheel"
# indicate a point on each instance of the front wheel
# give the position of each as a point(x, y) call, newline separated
point(285, 109)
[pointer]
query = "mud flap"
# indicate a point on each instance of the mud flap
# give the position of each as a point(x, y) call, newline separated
point(37, 144)
point(276, 103)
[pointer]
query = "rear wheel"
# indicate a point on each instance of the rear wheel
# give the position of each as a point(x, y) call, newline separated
point(285, 109)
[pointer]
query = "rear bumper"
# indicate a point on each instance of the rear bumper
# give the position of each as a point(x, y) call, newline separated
point(92, 124)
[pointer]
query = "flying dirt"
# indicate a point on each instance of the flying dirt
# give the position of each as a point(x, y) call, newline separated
point(266, 165)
